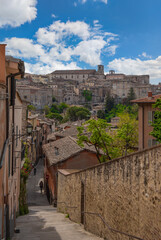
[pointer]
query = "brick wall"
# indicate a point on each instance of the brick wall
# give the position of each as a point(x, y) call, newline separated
point(126, 192)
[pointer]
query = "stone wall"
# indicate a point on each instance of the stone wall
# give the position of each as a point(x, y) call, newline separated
point(126, 192)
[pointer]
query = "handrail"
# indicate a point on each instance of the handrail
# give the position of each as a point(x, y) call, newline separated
point(106, 224)
point(112, 229)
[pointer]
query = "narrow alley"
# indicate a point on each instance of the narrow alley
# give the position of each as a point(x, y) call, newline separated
point(43, 221)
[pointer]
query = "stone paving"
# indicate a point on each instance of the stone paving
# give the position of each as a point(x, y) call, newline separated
point(43, 222)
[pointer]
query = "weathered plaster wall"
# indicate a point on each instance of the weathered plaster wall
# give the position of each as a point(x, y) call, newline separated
point(126, 192)
point(3, 183)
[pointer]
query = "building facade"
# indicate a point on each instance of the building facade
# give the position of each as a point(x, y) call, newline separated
point(146, 117)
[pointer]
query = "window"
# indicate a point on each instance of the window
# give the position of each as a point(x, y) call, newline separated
point(152, 142)
point(151, 117)
point(25, 97)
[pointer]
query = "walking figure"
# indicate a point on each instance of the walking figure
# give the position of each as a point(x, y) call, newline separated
point(34, 170)
point(41, 186)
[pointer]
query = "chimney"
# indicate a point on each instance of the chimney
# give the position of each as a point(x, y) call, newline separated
point(149, 94)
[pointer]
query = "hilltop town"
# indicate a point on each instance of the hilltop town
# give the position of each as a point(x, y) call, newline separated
point(82, 143)
point(68, 86)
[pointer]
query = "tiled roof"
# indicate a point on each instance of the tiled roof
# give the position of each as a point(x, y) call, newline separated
point(71, 131)
point(81, 71)
point(147, 99)
point(63, 149)
point(51, 137)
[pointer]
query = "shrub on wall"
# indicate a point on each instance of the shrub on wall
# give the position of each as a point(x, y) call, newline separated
point(25, 171)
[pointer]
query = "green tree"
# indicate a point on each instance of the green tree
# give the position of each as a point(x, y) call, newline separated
point(88, 95)
point(101, 114)
point(31, 108)
point(75, 113)
point(93, 133)
point(109, 103)
point(126, 137)
point(55, 116)
point(130, 96)
point(54, 99)
point(88, 106)
point(62, 106)
point(82, 114)
point(115, 111)
point(157, 121)
point(46, 109)
point(54, 108)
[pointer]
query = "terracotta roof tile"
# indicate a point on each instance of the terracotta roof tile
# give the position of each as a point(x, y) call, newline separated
point(147, 99)
point(62, 149)
point(71, 131)
point(81, 71)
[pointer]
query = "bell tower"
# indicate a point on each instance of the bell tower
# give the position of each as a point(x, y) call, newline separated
point(100, 69)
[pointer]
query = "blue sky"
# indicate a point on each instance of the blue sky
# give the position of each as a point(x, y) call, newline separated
point(124, 35)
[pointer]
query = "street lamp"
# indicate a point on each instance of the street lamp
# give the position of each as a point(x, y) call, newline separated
point(29, 129)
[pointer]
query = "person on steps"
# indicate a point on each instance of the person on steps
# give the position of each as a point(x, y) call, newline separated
point(34, 171)
point(41, 186)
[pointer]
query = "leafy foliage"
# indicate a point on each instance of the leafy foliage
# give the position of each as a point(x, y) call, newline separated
point(31, 108)
point(46, 109)
point(131, 96)
point(25, 171)
point(88, 106)
point(55, 111)
point(93, 132)
point(157, 121)
point(54, 108)
point(101, 114)
point(127, 134)
point(78, 113)
point(55, 116)
point(54, 99)
point(121, 109)
point(88, 95)
point(109, 103)
point(62, 106)
point(110, 143)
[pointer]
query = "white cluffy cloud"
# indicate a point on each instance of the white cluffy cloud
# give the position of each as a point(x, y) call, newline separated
point(24, 48)
point(16, 12)
point(145, 55)
point(137, 66)
point(53, 15)
point(84, 1)
point(62, 44)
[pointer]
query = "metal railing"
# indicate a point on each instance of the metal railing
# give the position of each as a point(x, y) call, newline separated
point(106, 224)
point(112, 229)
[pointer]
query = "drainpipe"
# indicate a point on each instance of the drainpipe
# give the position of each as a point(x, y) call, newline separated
point(12, 103)
point(7, 110)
